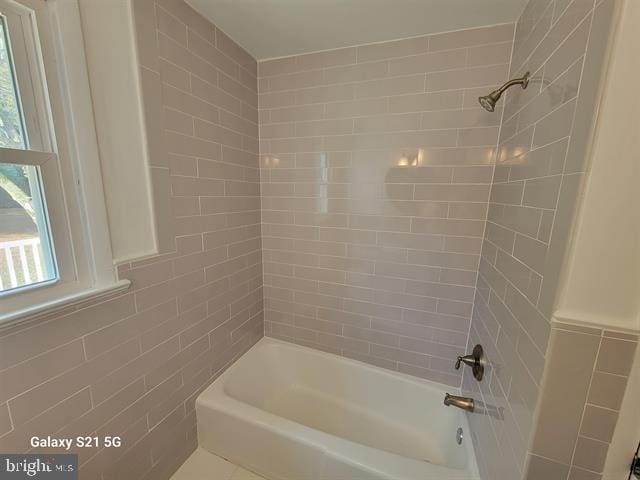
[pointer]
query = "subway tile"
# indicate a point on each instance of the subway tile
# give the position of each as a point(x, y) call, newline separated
point(277, 67)
point(390, 87)
point(530, 252)
point(443, 259)
point(144, 17)
point(341, 56)
point(558, 424)
point(293, 81)
point(577, 473)
point(387, 123)
point(356, 73)
point(615, 356)
point(590, 454)
point(428, 62)
point(324, 94)
point(554, 126)
point(468, 78)
point(471, 37)
point(467, 193)
point(37, 370)
point(385, 50)
point(476, 137)
point(598, 423)
point(540, 467)
point(607, 390)
point(5, 419)
point(508, 193)
point(230, 48)
point(495, 53)
point(426, 102)
point(436, 226)
point(171, 26)
point(36, 400)
point(20, 346)
point(542, 192)
point(457, 118)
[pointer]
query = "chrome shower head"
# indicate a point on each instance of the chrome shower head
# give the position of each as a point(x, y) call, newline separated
point(488, 102)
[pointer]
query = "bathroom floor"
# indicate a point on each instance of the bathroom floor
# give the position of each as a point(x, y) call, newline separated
point(202, 465)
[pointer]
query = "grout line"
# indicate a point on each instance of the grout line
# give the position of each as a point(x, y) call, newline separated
point(393, 40)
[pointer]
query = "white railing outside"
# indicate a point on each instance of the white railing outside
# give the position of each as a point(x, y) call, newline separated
point(29, 264)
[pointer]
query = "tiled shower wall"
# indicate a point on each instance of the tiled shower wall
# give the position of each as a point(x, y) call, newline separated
point(540, 167)
point(132, 365)
point(588, 368)
point(376, 164)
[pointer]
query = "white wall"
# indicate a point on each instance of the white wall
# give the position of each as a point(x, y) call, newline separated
point(602, 283)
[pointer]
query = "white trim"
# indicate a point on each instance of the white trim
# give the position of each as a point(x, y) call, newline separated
point(27, 313)
point(25, 157)
point(114, 73)
point(81, 137)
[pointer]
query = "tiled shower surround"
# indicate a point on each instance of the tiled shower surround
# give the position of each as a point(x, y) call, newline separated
point(376, 167)
point(379, 196)
point(541, 163)
point(132, 365)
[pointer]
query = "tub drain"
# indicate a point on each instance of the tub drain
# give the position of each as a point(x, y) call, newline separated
point(459, 436)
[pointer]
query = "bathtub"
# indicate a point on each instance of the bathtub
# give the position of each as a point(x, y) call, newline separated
point(289, 412)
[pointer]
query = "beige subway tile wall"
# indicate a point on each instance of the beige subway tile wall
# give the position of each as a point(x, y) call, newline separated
point(376, 165)
point(588, 369)
point(132, 365)
point(541, 162)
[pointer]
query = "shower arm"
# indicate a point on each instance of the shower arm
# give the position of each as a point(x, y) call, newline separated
point(524, 81)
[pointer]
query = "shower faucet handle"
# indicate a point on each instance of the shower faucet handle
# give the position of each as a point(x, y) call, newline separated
point(475, 360)
point(467, 360)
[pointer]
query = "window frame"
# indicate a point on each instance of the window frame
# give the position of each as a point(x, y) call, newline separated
point(67, 155)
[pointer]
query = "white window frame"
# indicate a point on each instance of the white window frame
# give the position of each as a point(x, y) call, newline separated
point(67, 154)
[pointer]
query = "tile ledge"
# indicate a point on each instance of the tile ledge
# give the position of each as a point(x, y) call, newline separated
point(563, 318)
point(31, 312)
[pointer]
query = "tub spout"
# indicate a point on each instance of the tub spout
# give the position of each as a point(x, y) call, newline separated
point(465, 403)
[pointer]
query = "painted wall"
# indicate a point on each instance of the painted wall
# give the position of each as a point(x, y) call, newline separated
point(376, 163)
point(542, 161)
point(603, 283)
point(132, 365)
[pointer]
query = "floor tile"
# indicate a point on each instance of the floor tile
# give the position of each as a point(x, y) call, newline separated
point(202, 465)
point(242, 474)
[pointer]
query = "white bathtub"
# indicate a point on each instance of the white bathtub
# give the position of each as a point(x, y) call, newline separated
point(292, 413)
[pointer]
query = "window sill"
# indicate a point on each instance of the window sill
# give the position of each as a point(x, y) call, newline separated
point(24, 314)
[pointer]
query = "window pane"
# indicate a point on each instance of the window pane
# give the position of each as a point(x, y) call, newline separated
point(12, 133)
point(25, 249)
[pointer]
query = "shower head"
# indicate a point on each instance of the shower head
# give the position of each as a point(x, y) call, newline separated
point(488, 102)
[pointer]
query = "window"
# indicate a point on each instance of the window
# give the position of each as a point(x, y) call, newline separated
point(54, 239)
point(26, 253)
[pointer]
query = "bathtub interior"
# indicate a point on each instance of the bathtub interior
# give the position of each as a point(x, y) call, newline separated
point(350, 400)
